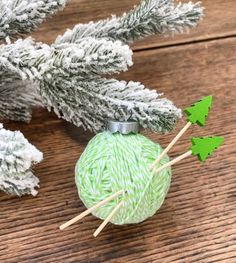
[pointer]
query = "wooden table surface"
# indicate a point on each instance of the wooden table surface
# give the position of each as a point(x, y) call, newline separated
point(197, 222)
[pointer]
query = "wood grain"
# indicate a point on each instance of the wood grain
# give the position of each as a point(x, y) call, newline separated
point(219, 21)
point(197, 221)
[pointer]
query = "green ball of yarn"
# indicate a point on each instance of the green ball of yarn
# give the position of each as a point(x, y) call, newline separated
point(114, 162)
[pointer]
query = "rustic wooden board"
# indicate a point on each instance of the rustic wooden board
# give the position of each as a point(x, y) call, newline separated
point(197, 221)
point(219, 21)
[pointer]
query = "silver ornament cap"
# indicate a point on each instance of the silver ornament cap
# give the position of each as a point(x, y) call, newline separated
point(123, 127)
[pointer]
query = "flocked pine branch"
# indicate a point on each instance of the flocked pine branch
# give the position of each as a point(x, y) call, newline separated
point(151, 17)
point(17, 97)
point(17, 156)
point(19, 64)
point(68, 83)
point(90, 56)
point(99, 99)
point(21, 16)
point(66, 74)
point(17, 93)
point(93, 56)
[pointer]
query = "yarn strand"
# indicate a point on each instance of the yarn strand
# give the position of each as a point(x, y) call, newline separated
point(112, 162)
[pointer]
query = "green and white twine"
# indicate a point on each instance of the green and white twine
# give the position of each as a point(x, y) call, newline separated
point(114, 162)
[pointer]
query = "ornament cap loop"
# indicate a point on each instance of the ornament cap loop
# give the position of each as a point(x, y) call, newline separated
point(123, 127)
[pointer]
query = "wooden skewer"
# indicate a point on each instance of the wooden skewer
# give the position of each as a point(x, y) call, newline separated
point(172, 143)
point(179, 158)
point(107, 220)
point(91, 209)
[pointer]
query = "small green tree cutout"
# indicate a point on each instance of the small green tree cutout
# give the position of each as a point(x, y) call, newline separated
point(198, 111)
point(205, 146)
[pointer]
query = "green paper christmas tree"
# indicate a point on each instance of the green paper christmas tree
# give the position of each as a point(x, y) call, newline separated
point(205, 146)
point(202, 147)
point(198, 111)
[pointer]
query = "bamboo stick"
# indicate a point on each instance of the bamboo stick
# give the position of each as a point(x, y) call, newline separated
point(172, 143)
point(107, 220)
point(91, 209)
point(176, 160)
